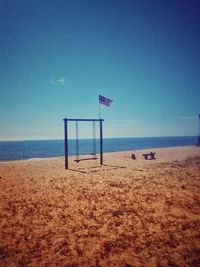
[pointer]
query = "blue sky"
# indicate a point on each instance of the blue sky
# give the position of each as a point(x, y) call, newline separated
point(56, 56)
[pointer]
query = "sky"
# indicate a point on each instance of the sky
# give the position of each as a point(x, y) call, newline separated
point(57, 56)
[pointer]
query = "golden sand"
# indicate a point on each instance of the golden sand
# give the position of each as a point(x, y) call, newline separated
point(124, 213)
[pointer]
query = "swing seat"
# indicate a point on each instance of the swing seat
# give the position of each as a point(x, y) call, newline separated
point(77, 160)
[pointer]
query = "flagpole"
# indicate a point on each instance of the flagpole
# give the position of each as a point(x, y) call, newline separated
point(99, 111)
point(99, 107)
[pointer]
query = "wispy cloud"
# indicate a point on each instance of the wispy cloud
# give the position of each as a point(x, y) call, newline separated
point(58, 81)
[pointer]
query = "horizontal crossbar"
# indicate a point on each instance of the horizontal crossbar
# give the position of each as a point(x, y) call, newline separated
point(66, 119)
point(77, 160)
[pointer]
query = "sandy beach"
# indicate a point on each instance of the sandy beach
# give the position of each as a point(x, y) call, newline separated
point(124, 213)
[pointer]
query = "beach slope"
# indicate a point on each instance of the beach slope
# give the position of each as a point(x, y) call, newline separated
point(124, 213)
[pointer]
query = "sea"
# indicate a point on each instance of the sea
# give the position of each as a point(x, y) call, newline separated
point(21, 150)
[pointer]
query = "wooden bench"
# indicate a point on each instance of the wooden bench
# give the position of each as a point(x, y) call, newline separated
point(150, 155)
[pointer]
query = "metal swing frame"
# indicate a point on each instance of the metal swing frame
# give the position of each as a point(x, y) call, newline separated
point(66, 120)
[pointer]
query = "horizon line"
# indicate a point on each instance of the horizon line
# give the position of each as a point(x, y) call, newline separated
point(116, 137)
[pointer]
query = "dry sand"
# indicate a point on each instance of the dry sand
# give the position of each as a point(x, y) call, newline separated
point(124, 213)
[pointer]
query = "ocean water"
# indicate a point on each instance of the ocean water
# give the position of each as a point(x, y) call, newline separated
point(19, 150)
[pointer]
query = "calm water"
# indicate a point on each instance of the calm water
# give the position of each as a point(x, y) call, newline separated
point(17, 150)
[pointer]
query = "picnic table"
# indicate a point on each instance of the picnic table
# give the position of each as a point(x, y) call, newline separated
point(150, 155)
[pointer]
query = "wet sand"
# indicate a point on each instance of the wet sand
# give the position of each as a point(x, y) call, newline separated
point(124, 213)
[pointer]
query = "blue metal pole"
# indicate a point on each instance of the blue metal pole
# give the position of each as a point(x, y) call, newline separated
point(101, 141)
point(66, 143)
point(77, 142)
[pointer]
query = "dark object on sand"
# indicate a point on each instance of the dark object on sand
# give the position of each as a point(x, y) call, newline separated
point(133, 156)
point(150, 155)
point(198, 140)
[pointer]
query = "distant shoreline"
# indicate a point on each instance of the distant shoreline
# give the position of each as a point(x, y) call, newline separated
point(24, 150)
point(125, 152)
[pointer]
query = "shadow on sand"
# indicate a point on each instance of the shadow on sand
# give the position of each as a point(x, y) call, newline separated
point(99, 168)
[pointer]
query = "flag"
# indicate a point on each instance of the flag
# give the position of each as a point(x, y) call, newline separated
point(105, 101)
